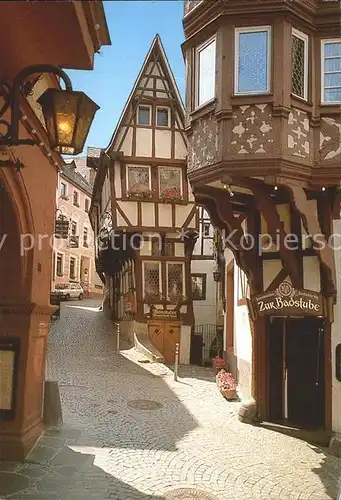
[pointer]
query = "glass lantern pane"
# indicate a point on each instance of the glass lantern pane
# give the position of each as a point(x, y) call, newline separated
point(85, 115)
point(253, 62)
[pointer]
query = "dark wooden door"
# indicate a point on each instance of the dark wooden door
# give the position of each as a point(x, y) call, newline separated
point(305, 372)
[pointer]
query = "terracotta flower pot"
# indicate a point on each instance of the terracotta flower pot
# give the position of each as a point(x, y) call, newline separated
point(229, 393)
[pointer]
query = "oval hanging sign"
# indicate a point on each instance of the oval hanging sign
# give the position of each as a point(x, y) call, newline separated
point(288, 301)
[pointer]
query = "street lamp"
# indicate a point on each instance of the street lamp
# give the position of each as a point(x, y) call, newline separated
point(68, 114)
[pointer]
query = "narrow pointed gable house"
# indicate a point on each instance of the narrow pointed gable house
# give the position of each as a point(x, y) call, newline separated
point(144, 214)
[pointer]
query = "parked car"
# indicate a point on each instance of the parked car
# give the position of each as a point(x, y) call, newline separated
point(67, 291)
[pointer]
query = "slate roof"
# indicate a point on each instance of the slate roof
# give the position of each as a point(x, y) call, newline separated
point(70, 174)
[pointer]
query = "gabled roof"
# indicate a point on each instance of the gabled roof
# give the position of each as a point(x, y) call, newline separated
point(156, 47)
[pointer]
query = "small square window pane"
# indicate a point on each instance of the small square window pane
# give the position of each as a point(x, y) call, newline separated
point(332, 79)
point(333, 64)
point(253, 68)
point(332, 49)
point(332, 95)
point(162, 117)
point(144, 115)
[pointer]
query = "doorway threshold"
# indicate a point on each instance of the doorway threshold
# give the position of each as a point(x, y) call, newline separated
point(320, 436)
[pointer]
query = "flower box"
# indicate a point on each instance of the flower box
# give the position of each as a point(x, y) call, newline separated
point(171, 195)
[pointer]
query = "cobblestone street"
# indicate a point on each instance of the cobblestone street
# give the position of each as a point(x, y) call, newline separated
point(131, 432)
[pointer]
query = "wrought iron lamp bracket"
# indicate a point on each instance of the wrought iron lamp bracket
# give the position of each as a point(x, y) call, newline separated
point(11, 96)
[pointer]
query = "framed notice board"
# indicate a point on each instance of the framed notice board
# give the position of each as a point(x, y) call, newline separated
point(9, 368)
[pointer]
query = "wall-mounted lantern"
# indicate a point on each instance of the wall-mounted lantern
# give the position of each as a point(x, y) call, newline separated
point(68, 114)
point(216, 275)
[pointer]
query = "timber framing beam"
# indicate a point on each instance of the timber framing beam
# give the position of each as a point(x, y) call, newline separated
point(268, 208)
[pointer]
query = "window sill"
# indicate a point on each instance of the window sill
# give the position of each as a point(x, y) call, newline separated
point(237, 99)
point(201, 110)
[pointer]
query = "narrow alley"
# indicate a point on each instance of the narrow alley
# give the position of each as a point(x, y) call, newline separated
point(131, 432)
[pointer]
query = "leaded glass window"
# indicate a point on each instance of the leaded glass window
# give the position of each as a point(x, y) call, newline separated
point(299, 60)
point(252, 58)
point(331, 71)
point(138, 179)
point(151, 277)
point(175, 280)
point(170, 181)
point(206, 55)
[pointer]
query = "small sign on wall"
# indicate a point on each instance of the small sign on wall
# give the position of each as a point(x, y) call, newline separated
point(9, 366)
point(288, 301)
point(164, 313)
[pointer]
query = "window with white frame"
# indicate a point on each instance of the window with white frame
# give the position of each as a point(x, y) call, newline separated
point(76, 198)
point(86, 204)
point(63, 189)
point(331, 71)
point(162, 117)
point(252, 60)
point(175, 280)
point(143, 115)
point(205, 74)
point(138, 179)
point(59, 265)
point(170, 183)
point(152, 279)
point(299, 64)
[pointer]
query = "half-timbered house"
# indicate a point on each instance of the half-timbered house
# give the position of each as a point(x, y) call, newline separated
point(144, 213)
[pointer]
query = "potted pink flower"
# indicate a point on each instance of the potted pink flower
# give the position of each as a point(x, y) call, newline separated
point(227, 384)
point(218, 363)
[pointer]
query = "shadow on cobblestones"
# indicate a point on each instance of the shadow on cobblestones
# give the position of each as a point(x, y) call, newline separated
point(97, 386)
point(330, 476)
point(52, 472)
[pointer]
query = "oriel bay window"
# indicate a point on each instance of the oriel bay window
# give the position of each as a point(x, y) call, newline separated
point(252, 60)
point(170, 183)
point(331, 71)
point(299, 64)
point(138, 181)
point(205, 72)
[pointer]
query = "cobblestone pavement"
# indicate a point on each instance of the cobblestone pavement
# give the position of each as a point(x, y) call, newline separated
point(132, 433)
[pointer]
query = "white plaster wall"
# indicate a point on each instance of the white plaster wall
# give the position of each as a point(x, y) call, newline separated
point(185, 345)
point(148, 214)
point(163, 141)
point(129, 208)
point(165, 214)
point(181, 214)
point(336, 338)
point(143, 142)
point(270, 270)
point(127, 143)
point(242, 340)
point(311, 274)
point(180, 147)
point(205, 310)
